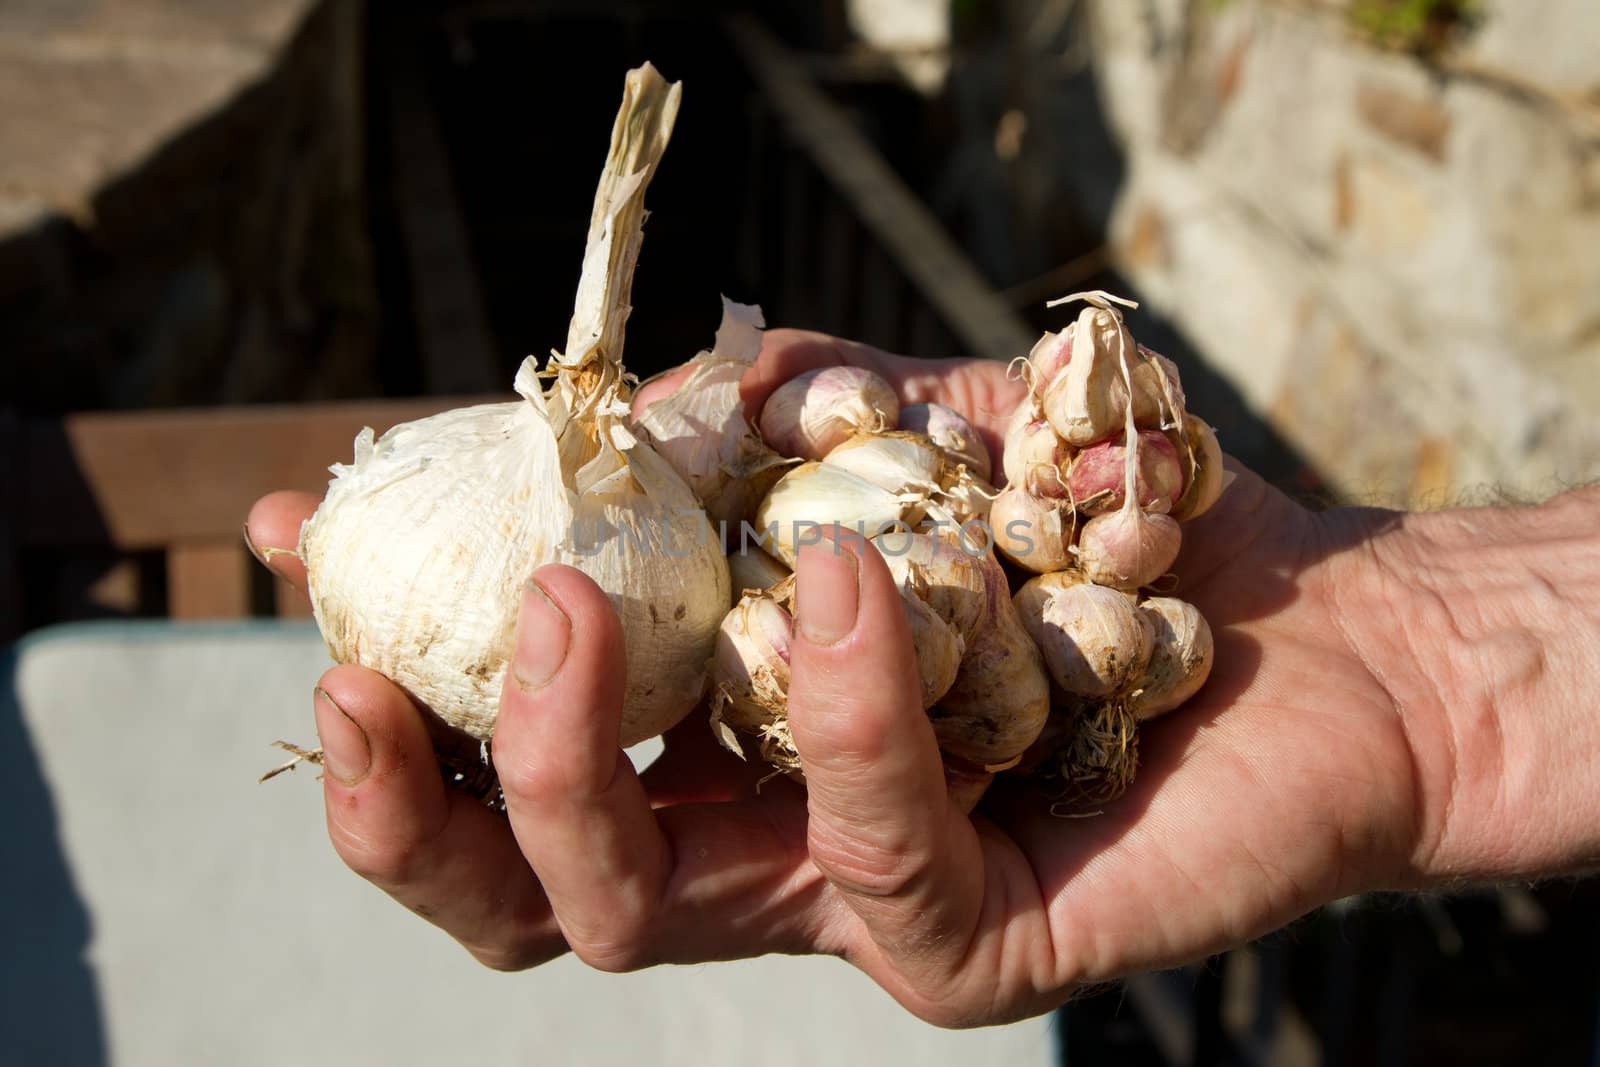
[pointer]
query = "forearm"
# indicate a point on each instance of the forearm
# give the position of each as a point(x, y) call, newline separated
point(1484, 625)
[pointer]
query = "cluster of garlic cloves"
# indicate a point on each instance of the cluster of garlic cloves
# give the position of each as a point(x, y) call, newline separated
point(1103, 464)
point(910, 480)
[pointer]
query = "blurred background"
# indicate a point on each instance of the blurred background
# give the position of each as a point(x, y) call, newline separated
point(1367, 230)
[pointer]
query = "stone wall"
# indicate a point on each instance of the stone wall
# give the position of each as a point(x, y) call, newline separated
point(182, 216)
point(1395, 259)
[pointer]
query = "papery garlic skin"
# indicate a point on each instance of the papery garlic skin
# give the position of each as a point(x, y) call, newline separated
point(810, 415)
point(418, 554)
point(701, 429)
point(895, 461)
point(1181, 657)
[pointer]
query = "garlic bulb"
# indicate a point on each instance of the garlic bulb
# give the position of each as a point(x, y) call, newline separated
point(1129, 548)
point(947, 428)
point(1180, 660)
point(808, 416)
point(417, 556)
point(702, 431)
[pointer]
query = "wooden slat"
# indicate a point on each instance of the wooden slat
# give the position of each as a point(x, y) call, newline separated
point(985, 325)
point(139, 480)
point(208, 580)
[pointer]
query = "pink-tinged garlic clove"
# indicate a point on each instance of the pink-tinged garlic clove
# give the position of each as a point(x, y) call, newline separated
point(1207, 478)
point(1180, 660)
point(1032, 532)
point(1048, 358)
point(1034, 456)
point(947, 428)
point(1128, 548)
point(812, 414)
point(1097, 475)
point(1095, 642)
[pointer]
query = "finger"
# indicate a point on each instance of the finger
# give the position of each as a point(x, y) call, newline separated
point(979, 389)
point(272, 533)
point(437, 850)
point(576, 806)
point(883, 830)
point(662, 385)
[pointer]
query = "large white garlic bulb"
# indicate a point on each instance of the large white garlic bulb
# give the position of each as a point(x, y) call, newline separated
point(418, 554)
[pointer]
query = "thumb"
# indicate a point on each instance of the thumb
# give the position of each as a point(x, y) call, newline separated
point(881, 827)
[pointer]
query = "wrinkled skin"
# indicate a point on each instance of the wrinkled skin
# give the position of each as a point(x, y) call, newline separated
point(1319, 760)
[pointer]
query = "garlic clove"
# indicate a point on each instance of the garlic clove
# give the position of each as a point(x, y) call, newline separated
point(1095, 642)
point(1034, 456)
point(812, 414)
point(1096, 476)
point(1001, 696)
point(815, 495)
point(1048, 358)
point(1128, 548)
point(1032, 532)
point(947, 428)
point(1207, 478)
point(701, 428)
point(896, 461)
point(751, 569)
point(750, 675)
point(1180, 661)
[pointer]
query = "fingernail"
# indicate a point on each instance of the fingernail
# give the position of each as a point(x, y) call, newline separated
point(543, 634)
point(251, 546)
point(346, 753)
point(829, 590)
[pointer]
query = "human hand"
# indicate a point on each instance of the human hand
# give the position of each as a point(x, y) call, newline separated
point(1291, 779)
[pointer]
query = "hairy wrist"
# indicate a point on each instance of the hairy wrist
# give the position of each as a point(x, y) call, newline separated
point(1483, 624)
